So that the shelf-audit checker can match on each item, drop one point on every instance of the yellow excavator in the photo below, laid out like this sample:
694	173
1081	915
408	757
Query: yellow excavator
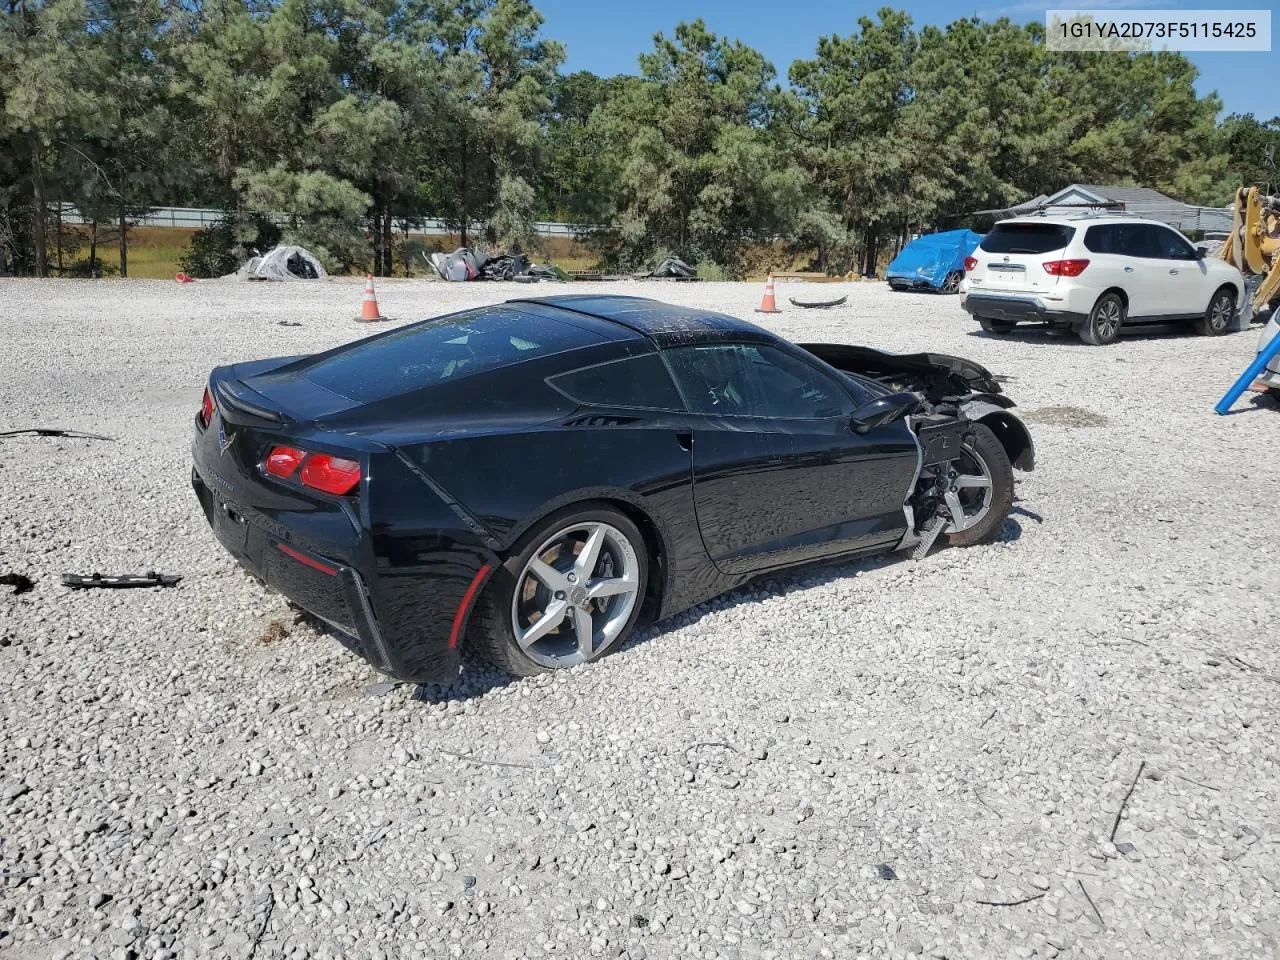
1254	246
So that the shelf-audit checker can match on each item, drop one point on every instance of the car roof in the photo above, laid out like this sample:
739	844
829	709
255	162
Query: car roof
667	325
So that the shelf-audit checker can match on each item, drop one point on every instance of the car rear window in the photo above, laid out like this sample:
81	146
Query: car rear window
447	348
640	381
1027	238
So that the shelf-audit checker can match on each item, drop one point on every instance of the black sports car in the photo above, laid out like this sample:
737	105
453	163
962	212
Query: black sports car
534	476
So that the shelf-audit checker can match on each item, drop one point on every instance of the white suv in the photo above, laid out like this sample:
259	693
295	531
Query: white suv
1094	274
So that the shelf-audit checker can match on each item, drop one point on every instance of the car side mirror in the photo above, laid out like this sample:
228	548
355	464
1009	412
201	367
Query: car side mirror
1200	253
883	410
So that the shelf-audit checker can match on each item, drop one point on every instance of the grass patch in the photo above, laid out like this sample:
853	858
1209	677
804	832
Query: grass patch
155	252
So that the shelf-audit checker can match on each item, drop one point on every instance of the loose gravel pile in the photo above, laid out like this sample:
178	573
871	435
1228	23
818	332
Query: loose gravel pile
881	759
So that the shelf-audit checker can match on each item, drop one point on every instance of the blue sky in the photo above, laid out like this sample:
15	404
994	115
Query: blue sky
606	37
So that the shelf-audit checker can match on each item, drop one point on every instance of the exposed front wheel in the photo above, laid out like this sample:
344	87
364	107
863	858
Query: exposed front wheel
975	490
1104	322
951	283
1218	316
569	594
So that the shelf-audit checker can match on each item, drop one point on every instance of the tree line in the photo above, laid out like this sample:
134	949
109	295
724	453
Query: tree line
353	118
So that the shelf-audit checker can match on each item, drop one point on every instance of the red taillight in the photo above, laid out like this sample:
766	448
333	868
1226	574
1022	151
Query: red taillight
330	474
1065	268
284	461
969	264
206	408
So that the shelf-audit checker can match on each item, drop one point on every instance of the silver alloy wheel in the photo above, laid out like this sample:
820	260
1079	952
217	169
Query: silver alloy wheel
575	594
966	491
952	282
1220	312
1108	321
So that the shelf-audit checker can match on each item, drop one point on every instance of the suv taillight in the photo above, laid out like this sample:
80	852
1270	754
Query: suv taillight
1065	268
206	408
969	264
320	471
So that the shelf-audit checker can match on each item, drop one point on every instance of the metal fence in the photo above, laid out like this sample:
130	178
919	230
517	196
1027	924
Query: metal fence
196	218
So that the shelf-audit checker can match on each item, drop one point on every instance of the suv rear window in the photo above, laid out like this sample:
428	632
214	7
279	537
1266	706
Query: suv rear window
1027	238
447	348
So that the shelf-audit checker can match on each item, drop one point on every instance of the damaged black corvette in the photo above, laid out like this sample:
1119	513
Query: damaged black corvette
532	478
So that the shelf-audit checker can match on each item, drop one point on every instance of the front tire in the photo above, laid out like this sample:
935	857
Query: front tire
951	283
1217	317
979	510
1105	320
569	593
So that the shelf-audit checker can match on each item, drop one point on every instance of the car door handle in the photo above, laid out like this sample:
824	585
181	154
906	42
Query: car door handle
685	440
1173	271
1128	269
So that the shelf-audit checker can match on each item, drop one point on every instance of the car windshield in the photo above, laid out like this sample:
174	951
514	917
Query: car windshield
1027	238
447	348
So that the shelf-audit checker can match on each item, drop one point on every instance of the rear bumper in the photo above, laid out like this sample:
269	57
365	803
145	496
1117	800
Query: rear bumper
398	620
1014	309
898	282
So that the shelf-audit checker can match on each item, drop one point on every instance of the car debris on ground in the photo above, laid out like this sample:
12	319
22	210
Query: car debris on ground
53	432
21	583
818	304
670	268
122	580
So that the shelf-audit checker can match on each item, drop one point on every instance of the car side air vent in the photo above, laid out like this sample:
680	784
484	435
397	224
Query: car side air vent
600	420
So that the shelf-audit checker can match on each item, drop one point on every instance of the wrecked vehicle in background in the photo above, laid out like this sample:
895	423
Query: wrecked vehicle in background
535	477
283	263
933	262
467	264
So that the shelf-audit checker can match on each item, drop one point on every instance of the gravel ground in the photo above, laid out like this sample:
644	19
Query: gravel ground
882	759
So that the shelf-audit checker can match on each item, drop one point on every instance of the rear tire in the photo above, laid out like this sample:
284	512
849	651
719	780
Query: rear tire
1218	315
492	631
998	327
1105	320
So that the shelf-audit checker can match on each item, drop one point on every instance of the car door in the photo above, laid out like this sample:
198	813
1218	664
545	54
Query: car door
1109	265
779	475
1144	283
1184	277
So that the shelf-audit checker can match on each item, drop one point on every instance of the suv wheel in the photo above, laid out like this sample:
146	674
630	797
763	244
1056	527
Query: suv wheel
995	326
1218	316
1105	320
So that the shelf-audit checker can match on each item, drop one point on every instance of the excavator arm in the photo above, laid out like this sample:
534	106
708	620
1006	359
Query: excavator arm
1254	243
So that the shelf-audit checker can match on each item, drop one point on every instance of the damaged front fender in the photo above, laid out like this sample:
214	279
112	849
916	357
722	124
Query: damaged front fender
1009	430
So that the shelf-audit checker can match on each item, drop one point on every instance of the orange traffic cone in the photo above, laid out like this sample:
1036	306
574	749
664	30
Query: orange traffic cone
768	304
369	312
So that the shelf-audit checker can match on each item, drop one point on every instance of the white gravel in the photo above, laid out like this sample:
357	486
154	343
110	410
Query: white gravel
845	762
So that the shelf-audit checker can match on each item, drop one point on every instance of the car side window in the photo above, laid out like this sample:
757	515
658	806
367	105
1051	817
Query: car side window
1101	238
1170	246
752	380
641	382
1130	240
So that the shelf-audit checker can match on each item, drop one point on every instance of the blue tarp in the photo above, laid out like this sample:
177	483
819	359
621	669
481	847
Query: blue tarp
928	259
